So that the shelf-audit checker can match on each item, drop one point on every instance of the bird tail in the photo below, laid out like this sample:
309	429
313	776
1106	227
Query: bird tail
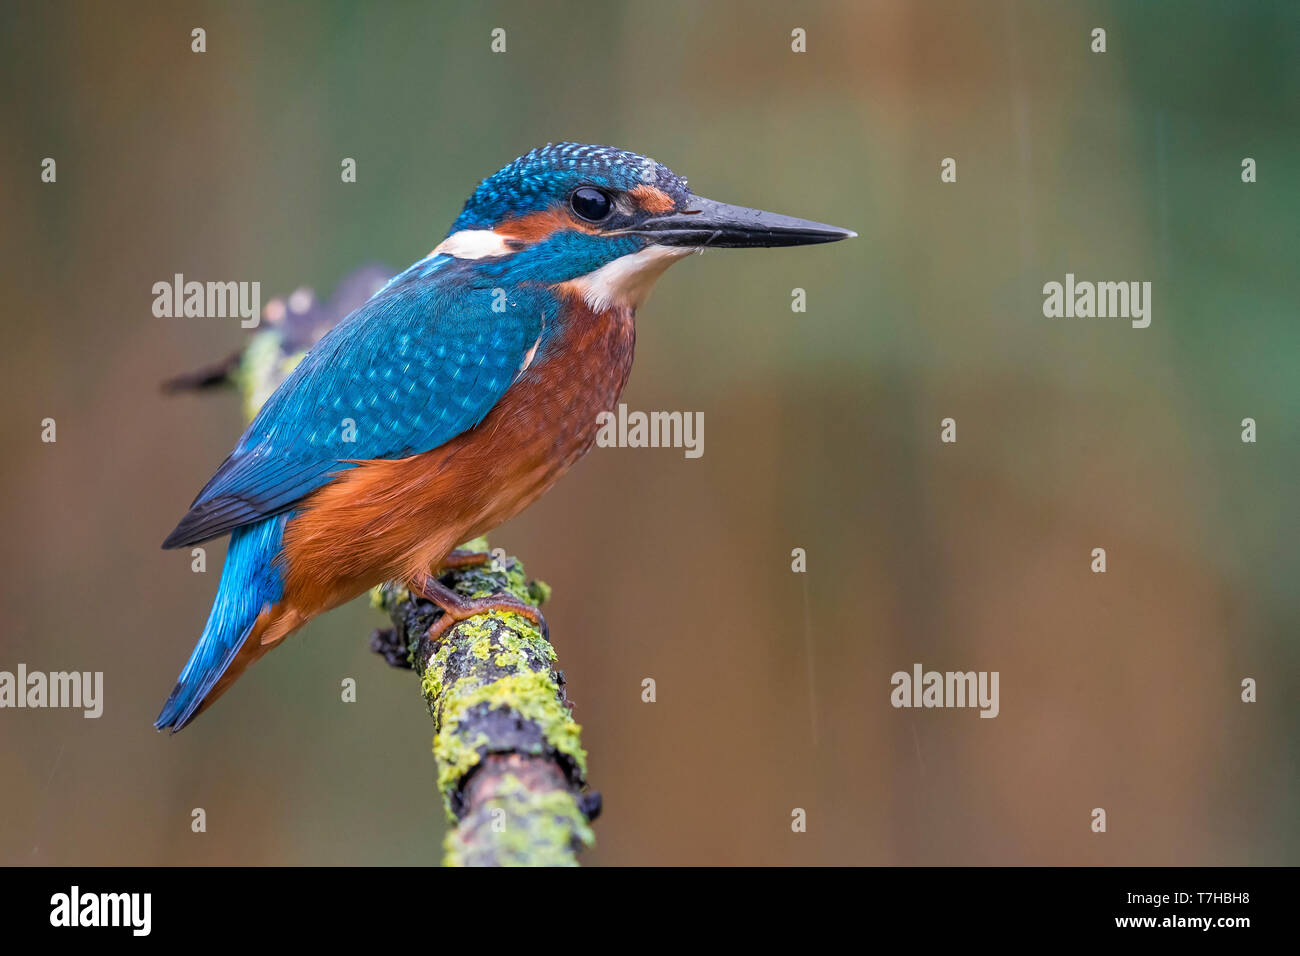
250	584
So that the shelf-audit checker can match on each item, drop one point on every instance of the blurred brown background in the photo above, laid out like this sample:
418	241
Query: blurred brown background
821	429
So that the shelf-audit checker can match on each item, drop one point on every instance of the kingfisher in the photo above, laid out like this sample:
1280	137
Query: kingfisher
449	401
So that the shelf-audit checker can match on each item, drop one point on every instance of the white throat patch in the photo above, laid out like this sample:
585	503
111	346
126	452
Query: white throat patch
628	279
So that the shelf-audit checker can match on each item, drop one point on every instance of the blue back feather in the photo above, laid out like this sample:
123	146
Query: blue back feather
418	364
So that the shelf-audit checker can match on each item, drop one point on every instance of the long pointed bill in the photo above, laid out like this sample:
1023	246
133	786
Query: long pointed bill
721	225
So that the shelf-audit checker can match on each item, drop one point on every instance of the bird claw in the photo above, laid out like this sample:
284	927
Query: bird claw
456	608
471	608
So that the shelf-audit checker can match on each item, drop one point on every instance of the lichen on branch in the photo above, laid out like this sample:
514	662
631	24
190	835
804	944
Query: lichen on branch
510	765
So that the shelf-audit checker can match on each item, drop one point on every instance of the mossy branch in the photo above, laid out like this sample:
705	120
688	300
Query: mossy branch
511	768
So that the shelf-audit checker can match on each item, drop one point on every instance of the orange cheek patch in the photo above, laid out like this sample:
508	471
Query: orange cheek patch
537	226
533	227
652	200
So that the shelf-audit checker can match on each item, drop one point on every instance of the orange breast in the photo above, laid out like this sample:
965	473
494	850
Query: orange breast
386	520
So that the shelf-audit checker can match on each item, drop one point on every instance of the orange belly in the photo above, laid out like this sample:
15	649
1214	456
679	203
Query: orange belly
398	519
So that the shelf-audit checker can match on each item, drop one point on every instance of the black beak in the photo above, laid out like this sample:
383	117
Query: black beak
720	225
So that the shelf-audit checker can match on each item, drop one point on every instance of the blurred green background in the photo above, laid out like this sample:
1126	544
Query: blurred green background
821	429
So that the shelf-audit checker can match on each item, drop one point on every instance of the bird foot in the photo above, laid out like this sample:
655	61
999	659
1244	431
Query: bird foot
456	608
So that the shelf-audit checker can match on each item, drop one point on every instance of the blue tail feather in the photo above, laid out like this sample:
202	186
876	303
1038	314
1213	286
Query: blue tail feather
250	582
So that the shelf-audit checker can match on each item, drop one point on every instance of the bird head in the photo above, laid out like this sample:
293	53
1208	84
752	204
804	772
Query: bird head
603	223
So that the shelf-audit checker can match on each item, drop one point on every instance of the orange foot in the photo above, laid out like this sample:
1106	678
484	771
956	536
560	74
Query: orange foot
457	608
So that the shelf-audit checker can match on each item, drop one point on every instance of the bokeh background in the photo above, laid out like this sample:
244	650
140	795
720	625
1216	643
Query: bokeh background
821	429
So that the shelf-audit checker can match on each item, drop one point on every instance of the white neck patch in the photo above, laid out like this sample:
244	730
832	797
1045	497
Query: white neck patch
473	244
628	279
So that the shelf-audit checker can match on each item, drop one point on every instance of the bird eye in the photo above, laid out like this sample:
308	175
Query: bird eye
590	204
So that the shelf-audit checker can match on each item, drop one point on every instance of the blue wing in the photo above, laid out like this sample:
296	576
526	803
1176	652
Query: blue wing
422	361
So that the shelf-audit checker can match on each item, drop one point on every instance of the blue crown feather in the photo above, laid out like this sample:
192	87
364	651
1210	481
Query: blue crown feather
535	180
